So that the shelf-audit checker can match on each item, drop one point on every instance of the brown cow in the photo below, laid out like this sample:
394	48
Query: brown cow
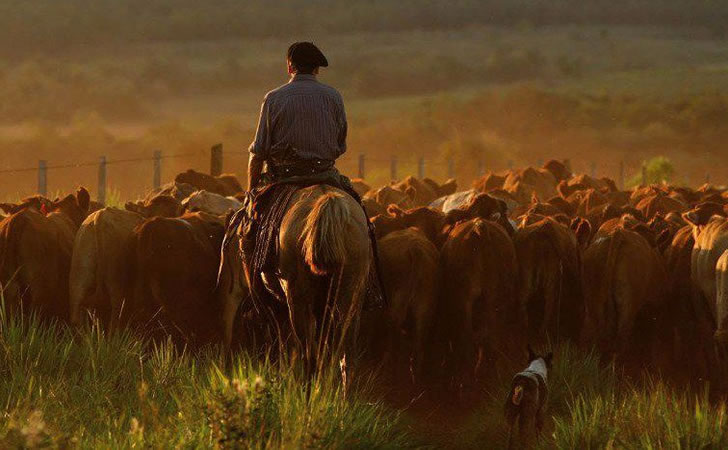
558	169
488	182
480	310
176	263
524	183
623	278
100	267
225	185
429	221
387	195
160	205
360	186
550	278
411	278
659	204
690	319
36	254
711	242
421	192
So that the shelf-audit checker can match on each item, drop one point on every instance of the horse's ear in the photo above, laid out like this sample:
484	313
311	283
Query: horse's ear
531	353
395	211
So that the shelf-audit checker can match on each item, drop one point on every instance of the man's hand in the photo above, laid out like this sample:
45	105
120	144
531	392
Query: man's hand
255	170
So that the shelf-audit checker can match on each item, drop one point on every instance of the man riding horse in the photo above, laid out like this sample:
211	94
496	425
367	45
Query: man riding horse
304	238
302	127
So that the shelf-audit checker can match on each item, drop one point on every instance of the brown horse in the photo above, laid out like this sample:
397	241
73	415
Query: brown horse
323	263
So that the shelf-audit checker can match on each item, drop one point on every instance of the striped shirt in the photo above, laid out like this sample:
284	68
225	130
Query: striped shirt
303	119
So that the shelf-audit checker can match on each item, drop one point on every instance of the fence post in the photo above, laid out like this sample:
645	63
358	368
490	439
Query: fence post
450	168
644	175
101	195
593	169
216	160
510	164
157	178
361	166
421	168
707	178
393	168
621	175
43	177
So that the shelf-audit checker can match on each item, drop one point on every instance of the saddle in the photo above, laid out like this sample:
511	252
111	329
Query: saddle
258	223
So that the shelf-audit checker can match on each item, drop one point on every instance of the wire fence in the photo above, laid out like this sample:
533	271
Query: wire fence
375	170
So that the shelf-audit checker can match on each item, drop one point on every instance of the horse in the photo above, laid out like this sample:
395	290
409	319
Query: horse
323	264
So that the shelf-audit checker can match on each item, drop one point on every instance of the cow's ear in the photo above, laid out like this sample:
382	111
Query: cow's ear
502	207
548	359
395	211
534	198
692	217
9	208
663	240
83	199
531	353
448	187
583	231
411	192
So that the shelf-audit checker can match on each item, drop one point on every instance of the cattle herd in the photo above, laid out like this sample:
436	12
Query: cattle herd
535	255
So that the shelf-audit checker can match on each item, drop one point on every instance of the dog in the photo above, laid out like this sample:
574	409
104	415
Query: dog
527	398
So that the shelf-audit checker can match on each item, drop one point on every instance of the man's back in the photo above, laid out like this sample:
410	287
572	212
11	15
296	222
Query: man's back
301	120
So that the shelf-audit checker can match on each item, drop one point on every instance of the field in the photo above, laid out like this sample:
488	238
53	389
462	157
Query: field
90	390
489	85
502	94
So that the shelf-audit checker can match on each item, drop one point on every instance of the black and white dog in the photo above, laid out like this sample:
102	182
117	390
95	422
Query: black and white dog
527	398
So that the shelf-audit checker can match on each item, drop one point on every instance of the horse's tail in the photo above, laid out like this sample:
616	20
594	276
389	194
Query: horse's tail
324	234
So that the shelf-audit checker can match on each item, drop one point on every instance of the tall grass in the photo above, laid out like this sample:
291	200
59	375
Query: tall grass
86	389
592	406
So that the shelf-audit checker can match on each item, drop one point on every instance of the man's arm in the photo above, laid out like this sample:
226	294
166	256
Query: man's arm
255	170
260	147
343	128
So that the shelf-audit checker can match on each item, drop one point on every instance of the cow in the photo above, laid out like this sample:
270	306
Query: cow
482	206
411	277
100	267
623	278
488	182
524	183
421	192
35	252
480	312
711	242
176	263
659	203
429	221
558	169
360	186
211	203
159	205
690	319
225	185
179	191
387	195
549	263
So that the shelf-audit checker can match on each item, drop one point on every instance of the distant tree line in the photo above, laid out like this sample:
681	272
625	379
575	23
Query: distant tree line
48	25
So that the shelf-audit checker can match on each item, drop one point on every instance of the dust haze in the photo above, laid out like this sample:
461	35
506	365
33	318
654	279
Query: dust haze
485	84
